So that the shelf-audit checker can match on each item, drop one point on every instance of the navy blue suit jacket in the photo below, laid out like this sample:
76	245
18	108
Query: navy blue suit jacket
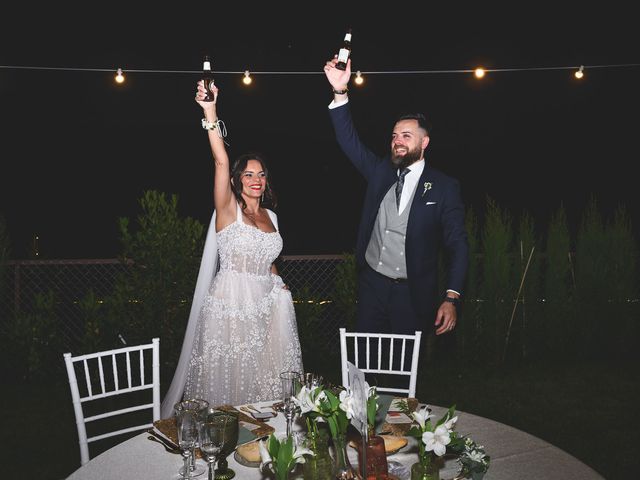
436	219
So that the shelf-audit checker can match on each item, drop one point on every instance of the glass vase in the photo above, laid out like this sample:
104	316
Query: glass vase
319	466
376	458
425	469
342	468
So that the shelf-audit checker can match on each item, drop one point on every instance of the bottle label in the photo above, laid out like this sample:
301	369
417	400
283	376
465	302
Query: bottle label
206	66
343	55
347	37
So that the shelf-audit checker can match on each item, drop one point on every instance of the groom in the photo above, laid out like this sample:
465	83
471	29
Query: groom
411	211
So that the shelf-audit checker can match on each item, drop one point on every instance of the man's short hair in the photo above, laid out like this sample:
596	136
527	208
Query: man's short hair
419	117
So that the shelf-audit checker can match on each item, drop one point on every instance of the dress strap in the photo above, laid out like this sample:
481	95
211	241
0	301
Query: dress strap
274	218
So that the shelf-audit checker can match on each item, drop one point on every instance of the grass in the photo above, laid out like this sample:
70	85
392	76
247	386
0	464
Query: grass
586	409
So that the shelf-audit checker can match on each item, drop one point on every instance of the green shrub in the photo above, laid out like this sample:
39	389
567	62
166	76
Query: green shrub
163	252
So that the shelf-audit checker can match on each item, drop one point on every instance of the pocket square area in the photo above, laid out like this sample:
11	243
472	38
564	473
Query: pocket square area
431	203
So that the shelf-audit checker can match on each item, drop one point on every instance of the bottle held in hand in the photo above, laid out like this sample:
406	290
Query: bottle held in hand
345	52
207	78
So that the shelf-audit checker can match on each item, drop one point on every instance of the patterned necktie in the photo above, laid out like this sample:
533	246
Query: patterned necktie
399	186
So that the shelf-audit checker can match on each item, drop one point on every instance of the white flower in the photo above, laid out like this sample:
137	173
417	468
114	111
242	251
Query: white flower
421	416
449	424
266	459
346	402
371	391
427	186
476	455
309	400
437	440
299	453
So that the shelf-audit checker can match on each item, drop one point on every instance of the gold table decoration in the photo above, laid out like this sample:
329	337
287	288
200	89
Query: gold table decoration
167	426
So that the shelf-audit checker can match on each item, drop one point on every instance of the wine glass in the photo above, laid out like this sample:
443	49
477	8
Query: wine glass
218	431
187	414
214	429
290	381
186	422
312	380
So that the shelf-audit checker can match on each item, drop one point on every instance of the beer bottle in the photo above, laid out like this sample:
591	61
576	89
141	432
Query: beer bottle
207	78
345	52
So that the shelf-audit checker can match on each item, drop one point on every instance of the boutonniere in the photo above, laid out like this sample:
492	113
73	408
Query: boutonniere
427	186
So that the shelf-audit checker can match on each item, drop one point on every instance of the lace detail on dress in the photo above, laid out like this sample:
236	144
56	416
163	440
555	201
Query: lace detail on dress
246	333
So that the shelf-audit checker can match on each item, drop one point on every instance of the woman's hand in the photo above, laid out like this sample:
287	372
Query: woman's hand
208	107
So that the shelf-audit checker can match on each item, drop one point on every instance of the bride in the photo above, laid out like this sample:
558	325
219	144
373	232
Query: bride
242	328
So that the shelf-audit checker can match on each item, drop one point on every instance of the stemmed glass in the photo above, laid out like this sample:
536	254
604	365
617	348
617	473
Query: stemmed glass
312	380
187	414
290	382
218	434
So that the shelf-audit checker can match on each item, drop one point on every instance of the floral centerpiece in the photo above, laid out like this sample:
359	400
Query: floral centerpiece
435	439
320	404
281	455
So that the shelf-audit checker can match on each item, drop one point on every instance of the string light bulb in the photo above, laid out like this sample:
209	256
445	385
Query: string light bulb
479	72
247	78
580	72
359	80
119	76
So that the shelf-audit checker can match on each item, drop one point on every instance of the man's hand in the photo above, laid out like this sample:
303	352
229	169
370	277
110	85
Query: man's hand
339	79
446	318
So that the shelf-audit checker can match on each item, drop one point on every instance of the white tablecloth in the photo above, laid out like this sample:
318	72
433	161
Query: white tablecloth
514	455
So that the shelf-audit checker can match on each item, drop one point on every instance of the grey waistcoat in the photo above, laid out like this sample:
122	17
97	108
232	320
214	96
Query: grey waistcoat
385	252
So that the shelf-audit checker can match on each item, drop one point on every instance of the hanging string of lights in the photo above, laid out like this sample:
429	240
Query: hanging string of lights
478	72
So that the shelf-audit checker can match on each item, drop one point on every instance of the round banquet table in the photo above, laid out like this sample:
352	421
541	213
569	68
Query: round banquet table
514	454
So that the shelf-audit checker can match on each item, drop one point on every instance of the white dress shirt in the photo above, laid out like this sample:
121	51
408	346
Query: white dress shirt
410	182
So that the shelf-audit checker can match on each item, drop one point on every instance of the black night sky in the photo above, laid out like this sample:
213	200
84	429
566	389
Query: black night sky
78	151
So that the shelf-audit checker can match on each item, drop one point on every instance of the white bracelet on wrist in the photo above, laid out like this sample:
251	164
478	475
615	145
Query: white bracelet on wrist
215	125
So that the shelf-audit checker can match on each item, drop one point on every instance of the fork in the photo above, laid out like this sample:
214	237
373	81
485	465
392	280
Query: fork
166	447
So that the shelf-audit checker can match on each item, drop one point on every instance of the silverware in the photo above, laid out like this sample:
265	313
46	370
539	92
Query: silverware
166	447
165	441
251	407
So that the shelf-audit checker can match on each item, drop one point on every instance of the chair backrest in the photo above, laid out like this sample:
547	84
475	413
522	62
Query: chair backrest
109	373
382	353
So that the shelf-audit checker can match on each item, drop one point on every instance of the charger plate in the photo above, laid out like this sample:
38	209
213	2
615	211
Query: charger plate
168	428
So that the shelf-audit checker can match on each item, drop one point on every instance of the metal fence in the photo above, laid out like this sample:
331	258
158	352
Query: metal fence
25	283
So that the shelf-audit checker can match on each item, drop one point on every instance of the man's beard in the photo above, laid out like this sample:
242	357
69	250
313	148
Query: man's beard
403	161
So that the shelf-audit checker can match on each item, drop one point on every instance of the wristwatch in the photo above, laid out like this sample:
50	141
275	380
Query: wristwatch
454	300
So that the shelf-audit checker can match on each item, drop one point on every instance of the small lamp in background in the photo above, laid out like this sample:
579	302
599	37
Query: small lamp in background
479	72
247	78
119	76
359	80
579	73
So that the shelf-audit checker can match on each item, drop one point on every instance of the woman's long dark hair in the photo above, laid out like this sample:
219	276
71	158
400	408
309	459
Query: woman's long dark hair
239	166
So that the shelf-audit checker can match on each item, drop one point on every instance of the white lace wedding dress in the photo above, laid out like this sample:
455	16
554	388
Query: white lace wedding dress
246	332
